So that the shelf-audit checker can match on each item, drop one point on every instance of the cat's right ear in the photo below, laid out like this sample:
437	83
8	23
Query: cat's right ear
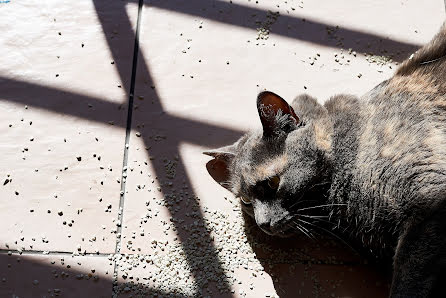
218	167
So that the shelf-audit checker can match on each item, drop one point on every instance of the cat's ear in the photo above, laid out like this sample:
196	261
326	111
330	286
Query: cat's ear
308	107
275	114
218	167
224	153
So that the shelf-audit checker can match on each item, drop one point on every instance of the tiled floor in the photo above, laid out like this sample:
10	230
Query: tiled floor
77	223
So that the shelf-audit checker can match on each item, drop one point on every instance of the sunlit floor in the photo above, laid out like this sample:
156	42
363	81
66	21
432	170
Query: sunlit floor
97	202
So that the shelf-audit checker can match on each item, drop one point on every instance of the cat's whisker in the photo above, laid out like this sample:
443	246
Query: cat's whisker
303	230
303	194
301	201
333	225
319	218
314	216
331	233
318	184
312	230
320	206
308	231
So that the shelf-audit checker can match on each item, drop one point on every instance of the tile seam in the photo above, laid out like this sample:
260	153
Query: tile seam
67	253
127	145
127	132
50	253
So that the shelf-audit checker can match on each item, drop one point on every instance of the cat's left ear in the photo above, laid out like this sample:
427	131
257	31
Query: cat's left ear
223	153
218	167
275	114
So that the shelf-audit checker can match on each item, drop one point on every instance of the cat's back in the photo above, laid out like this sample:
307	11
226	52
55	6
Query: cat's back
417	91
401	155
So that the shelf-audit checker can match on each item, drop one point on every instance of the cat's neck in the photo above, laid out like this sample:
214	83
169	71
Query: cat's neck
344	117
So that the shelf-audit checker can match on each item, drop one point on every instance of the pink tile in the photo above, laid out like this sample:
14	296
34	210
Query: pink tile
63	86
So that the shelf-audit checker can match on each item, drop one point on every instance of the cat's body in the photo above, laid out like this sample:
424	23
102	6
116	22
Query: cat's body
379	163
392	149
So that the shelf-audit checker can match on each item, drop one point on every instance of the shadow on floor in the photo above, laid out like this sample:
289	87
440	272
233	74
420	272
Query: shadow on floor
300	267
45	276
35	276
300	28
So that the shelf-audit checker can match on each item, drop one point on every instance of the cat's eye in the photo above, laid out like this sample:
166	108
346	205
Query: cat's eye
245	200
274	182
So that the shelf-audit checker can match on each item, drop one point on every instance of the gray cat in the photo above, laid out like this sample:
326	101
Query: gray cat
372	168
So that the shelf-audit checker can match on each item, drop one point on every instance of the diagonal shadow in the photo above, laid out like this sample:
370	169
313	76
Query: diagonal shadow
210	260
102	111
302	28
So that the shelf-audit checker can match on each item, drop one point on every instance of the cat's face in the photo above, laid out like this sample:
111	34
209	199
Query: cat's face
273	171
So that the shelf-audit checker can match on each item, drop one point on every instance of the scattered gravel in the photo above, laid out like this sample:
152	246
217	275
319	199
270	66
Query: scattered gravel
170	269
265	27
379	60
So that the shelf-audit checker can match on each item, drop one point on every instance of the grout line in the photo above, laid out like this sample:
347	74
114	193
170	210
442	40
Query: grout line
66	253
127	140
127	133
50	253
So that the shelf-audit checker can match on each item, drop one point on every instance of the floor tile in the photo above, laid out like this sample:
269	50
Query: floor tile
63	111
55	275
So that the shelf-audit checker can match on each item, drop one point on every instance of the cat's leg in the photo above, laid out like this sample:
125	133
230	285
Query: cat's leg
420	260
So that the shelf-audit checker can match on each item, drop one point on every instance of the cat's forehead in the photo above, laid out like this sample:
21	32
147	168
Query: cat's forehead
259	160
267	168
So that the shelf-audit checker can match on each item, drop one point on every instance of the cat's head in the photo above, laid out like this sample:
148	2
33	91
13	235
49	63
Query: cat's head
275	171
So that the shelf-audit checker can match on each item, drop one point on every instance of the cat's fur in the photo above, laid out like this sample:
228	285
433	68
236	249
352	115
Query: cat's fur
379	161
